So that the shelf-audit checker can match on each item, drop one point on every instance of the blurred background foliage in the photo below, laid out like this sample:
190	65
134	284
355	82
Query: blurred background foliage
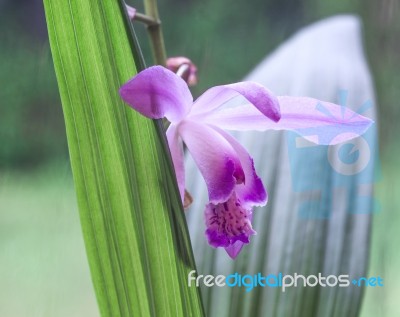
226	39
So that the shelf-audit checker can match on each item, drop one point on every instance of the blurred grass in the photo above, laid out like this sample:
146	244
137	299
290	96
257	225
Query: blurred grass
31	123
385	256
43	266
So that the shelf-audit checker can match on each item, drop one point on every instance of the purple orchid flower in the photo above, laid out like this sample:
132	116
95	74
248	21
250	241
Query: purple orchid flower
228	170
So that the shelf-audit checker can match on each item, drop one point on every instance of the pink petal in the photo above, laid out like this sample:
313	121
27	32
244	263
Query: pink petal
260	97
318	121
252	192
215	158
176	148
131	11
157	92
234	249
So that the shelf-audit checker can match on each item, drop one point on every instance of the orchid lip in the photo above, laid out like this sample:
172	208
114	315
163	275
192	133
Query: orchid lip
228	223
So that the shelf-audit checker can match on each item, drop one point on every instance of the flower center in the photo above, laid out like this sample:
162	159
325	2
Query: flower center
228	222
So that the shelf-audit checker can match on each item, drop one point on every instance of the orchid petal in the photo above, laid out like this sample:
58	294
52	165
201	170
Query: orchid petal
317	121
131	11
260	97
215	157
234	249
157	92
176	148
252	192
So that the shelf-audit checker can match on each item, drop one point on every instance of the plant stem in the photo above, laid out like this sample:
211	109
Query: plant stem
155	32
149	21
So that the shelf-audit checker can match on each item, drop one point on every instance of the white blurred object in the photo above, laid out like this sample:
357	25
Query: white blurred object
333	238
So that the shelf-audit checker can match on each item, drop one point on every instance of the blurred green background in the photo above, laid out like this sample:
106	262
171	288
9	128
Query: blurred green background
43	268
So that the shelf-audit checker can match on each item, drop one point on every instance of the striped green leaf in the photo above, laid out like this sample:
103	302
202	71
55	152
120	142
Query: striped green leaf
133	224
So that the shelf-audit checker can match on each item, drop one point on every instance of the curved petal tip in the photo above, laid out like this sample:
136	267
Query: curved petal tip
156	92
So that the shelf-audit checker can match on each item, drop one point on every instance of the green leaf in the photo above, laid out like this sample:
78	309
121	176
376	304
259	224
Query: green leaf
132	219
